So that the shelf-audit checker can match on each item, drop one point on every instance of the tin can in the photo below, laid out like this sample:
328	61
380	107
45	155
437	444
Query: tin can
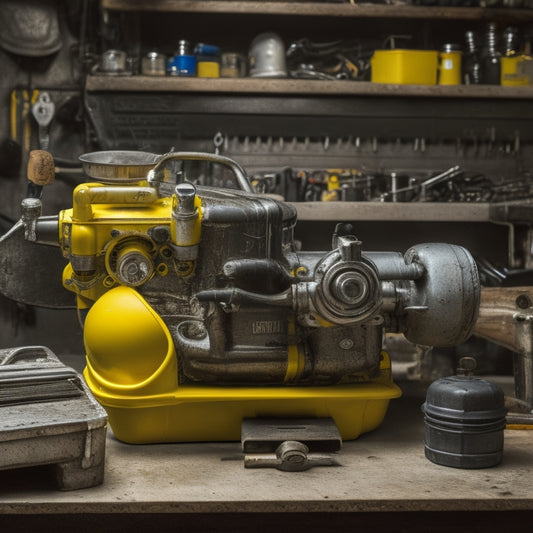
464	420
403	66
232	65
113	61
153	64
208	69
208	60
513	71
450	65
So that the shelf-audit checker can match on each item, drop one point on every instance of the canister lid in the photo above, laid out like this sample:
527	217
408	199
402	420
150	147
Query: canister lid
464	398
450	47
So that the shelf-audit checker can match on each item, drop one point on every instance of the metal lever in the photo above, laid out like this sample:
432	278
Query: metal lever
157	175
290	456
435	180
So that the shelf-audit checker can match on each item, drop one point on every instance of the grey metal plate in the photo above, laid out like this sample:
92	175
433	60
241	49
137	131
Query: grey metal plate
48	416
31	273
263	435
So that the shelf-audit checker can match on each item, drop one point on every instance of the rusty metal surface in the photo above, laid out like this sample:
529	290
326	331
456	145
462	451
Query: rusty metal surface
30	273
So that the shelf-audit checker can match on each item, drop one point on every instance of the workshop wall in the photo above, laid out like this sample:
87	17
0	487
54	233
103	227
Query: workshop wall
28	69
297	143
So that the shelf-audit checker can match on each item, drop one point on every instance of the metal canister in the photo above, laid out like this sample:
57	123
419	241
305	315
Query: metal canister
207	60
513	72
113	61
450	65
183	63
154	64
266	57
464	422
232	65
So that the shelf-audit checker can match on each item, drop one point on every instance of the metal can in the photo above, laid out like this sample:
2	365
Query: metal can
208	69
464	422
153	64
450	65
232	65
266	57
113	61
208	60
513	70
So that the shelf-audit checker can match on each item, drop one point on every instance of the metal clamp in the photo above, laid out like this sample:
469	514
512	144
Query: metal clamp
290	456
290	445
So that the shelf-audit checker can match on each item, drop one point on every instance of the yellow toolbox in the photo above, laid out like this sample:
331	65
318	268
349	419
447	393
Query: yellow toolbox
416	67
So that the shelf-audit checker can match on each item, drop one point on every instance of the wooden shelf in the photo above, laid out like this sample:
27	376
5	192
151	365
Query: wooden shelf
294	87
393	212
347	9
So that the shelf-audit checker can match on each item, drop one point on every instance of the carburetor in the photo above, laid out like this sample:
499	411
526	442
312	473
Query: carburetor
199	310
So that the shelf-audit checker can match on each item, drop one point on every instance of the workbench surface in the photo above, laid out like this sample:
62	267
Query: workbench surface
384	470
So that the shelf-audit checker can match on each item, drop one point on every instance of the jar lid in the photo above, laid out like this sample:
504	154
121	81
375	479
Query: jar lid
450	47
464	398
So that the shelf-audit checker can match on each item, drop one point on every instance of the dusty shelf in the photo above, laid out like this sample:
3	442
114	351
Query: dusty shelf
397	211
347	9
294	86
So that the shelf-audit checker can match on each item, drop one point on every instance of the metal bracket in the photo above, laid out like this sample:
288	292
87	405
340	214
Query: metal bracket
290	445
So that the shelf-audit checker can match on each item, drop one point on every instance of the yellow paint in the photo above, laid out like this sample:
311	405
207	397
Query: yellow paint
295	363
519	426
86	230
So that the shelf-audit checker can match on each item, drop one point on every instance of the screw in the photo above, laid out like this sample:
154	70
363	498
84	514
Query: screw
346	344
523	301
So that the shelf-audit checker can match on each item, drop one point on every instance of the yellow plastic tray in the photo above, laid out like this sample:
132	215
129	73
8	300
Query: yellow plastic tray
198	413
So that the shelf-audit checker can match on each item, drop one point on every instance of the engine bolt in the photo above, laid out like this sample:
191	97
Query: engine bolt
346	344
301	272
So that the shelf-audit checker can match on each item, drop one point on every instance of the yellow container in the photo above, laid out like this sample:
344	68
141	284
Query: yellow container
208	69
450	65
415	67
132	370
513	72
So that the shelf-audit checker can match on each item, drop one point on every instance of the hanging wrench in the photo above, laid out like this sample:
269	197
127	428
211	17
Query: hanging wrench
218	141
43	112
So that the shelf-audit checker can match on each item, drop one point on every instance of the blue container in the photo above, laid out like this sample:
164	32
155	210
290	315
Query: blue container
184	65
207	50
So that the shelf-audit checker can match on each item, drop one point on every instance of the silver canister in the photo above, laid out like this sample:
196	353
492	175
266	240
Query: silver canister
113	61
154	64
266	57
